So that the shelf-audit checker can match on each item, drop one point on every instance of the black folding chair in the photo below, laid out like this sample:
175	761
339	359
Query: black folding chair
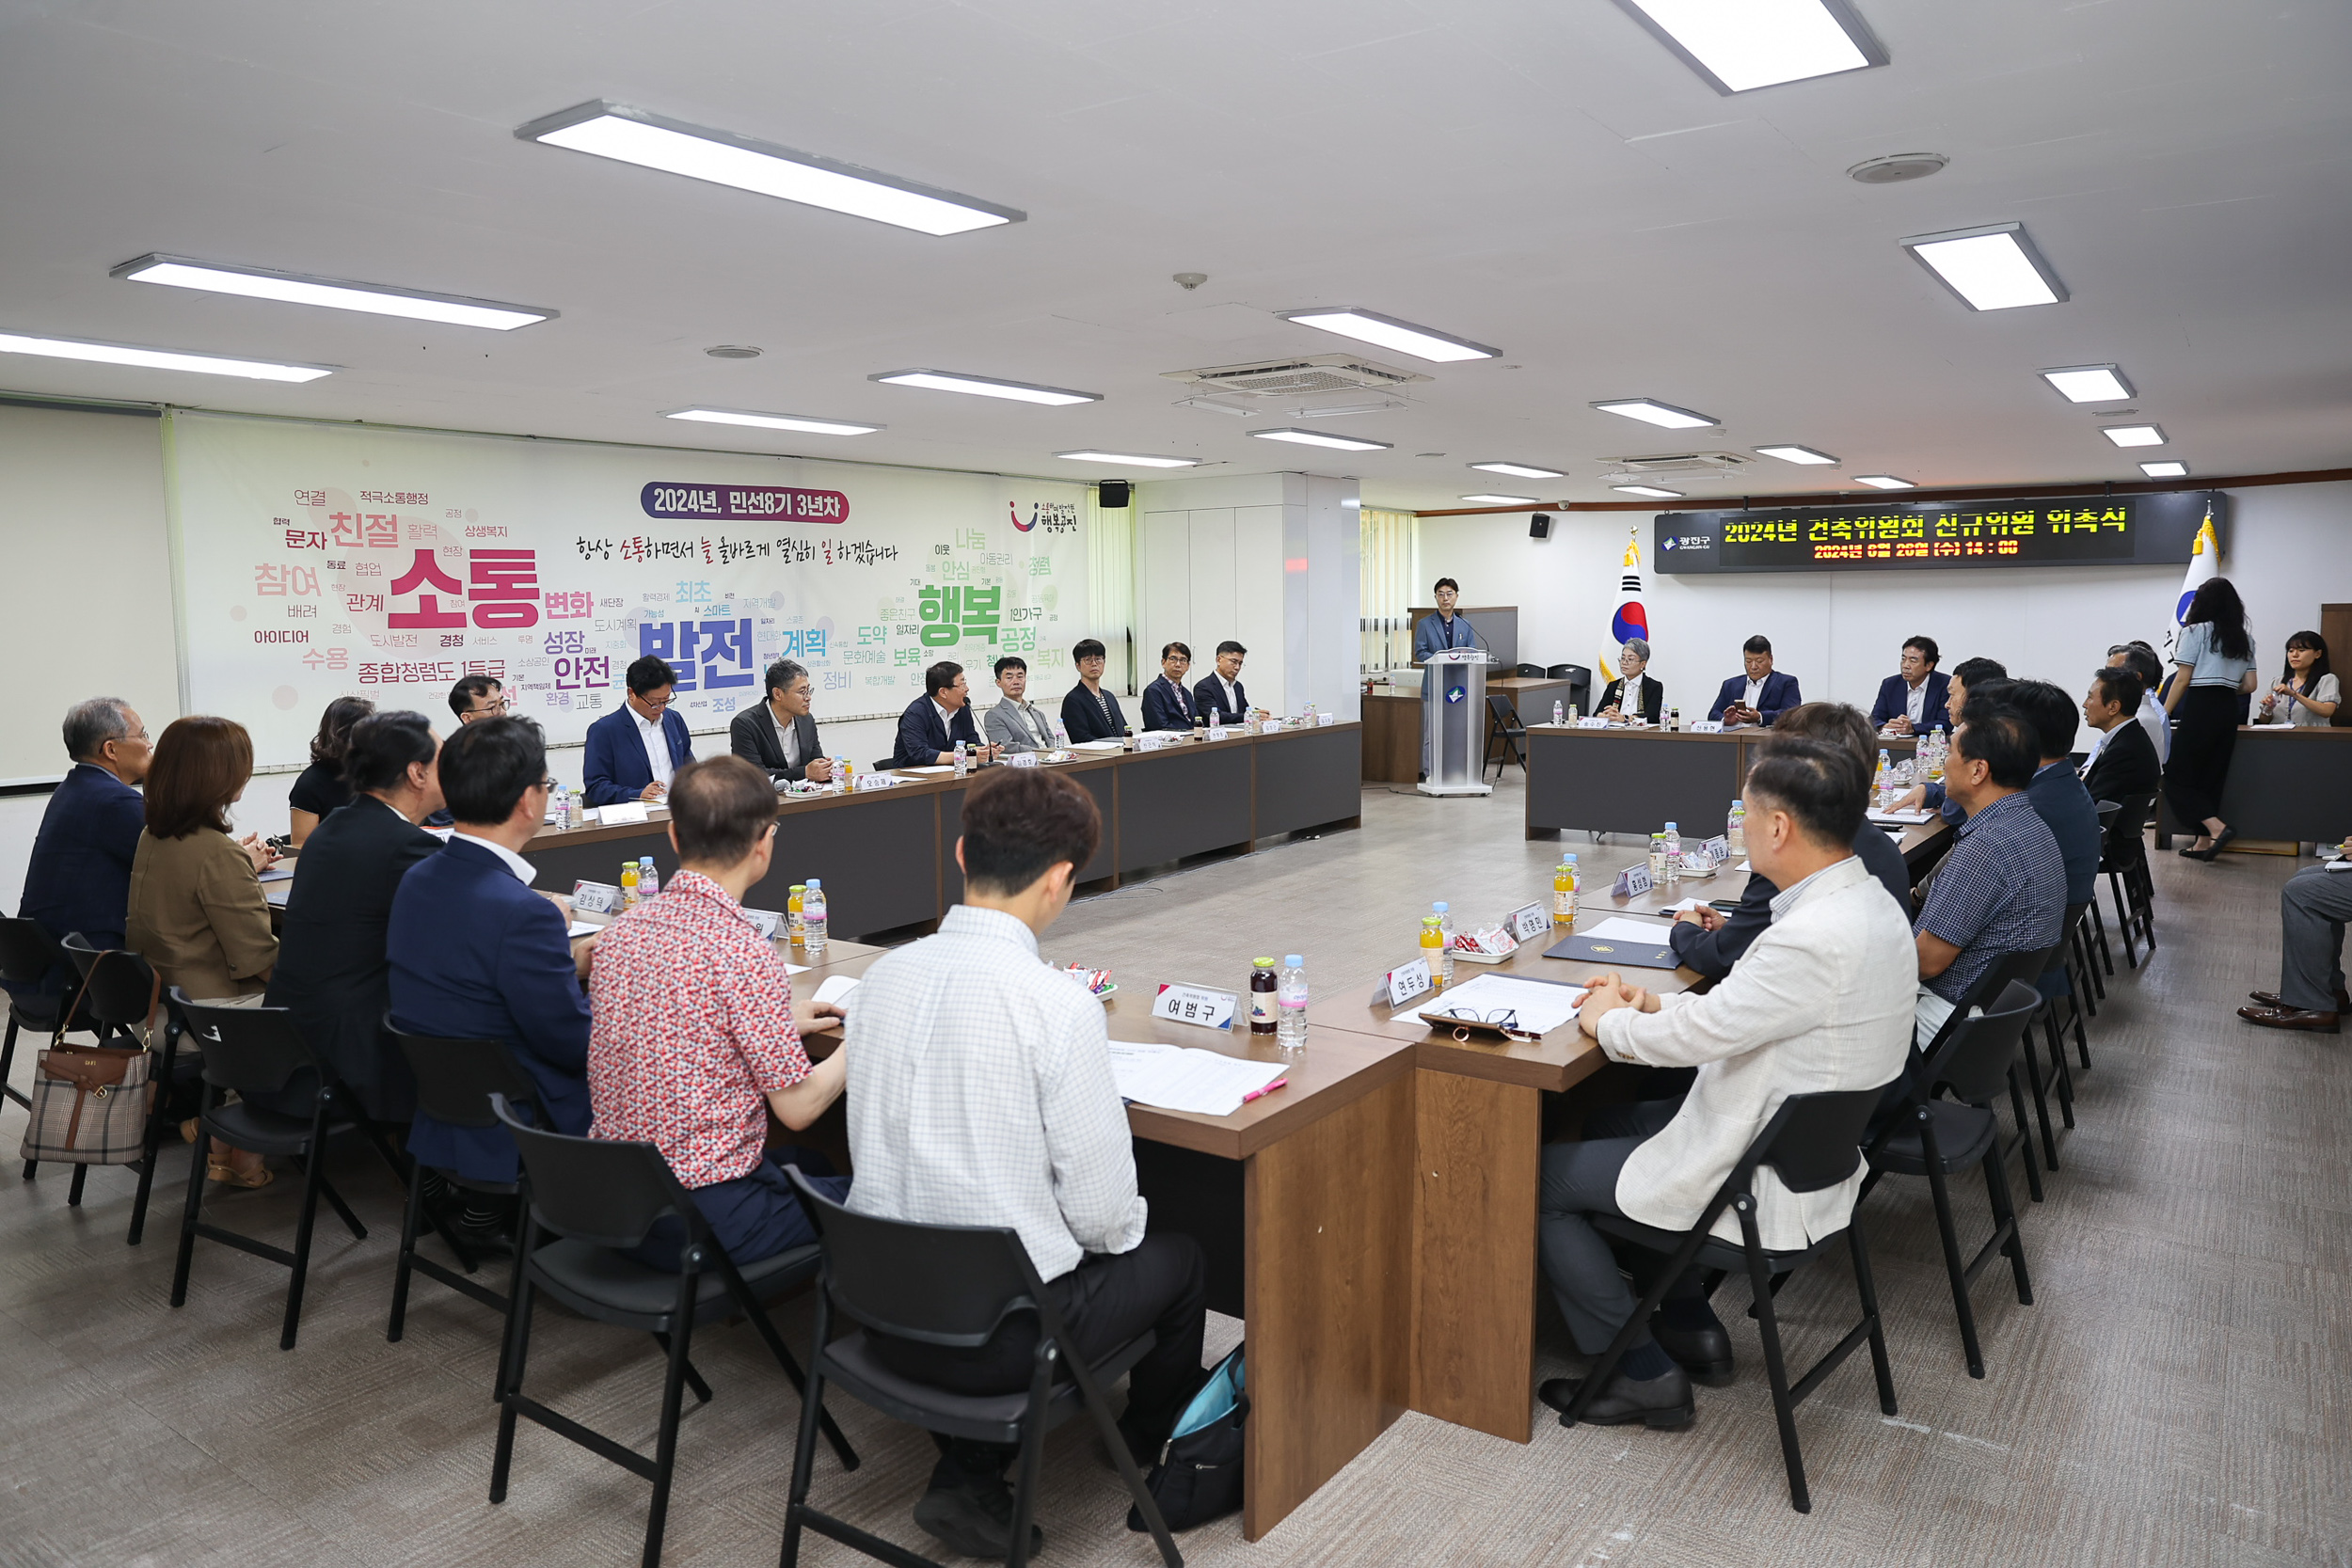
1814	1141
1579	681
1940	1138
260	1051
28	957
455	1080
1529	672
597	1197
2061	964
1506	728
2095	928
947	1285
121	997
2126	866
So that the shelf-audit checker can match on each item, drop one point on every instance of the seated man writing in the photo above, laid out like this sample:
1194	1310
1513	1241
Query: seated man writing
981	1093
1821	1000
694	1041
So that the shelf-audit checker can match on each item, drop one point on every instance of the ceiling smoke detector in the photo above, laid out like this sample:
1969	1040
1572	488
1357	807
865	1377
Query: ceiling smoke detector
1189	280
1896	167
732	351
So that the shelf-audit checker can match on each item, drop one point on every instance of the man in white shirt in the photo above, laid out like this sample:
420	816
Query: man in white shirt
1822	1000
981	1093
1219	693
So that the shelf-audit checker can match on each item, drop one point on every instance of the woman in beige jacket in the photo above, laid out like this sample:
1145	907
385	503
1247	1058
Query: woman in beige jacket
197	909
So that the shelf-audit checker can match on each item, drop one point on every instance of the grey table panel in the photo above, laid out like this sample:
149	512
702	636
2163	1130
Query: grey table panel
1625	783
561	864
879	859
1309	778
2293	785
1183	802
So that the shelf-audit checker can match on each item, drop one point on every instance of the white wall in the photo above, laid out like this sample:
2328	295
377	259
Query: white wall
2289	549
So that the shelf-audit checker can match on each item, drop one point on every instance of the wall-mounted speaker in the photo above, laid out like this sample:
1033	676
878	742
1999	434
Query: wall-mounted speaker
1539	525
1114	493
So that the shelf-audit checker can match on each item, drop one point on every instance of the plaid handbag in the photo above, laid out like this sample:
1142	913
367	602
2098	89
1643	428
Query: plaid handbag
91	1102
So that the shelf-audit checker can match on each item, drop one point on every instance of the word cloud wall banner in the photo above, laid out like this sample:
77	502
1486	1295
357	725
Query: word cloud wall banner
324	559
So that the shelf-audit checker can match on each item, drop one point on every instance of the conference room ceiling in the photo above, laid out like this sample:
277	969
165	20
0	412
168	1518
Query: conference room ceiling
1539	174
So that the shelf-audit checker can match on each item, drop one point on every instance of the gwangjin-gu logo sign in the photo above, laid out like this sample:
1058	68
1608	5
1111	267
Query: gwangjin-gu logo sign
743	503
1057	517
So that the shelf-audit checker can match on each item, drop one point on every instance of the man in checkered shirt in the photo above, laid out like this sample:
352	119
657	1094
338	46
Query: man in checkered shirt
980	1094
692	1042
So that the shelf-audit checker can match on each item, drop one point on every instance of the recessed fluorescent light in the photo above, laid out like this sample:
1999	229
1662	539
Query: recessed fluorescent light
1370	327
1520	470
987	387
376	299
1130	459
1647	490
1993	268
2165	470
1884	481
2090	383
1797	454
772	421
2133	434
652	141
1317	438
1737	45
1651	411
1501	500
158	359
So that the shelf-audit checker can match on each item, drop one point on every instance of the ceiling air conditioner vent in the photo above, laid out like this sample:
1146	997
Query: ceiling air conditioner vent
1295	377
1681	463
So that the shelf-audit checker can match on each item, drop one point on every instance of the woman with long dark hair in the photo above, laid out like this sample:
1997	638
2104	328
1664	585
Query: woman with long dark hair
2308	692
322	787
2213	670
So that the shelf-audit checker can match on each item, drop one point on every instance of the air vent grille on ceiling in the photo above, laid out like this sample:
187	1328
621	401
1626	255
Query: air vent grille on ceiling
1278	378
1681	463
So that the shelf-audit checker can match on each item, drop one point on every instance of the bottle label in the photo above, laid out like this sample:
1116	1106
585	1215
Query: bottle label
1262	1005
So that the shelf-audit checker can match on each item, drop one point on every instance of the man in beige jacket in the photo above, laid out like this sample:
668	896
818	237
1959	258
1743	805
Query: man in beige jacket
1822	1001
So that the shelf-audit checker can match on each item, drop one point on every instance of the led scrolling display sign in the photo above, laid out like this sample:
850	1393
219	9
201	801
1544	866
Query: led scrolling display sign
2080	530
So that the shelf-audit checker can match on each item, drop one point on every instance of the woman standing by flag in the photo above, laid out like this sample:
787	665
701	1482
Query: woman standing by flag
2213	670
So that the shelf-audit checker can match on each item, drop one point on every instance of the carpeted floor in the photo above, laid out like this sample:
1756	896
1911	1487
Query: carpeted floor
2180	1393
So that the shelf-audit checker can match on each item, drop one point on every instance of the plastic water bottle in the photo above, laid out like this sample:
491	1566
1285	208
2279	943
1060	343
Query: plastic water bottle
1674	854
1556	711
1445	928
628	885
963	762
812	917
1061	736
1883	781
648	880
1291	1031
1736	830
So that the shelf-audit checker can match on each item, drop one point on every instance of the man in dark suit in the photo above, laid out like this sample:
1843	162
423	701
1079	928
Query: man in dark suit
1219	696
1168	702
333	971
2122	763
633	752
933	722
79	876
475	954
780	735
1649	697
1761	695
1088	712
1913	702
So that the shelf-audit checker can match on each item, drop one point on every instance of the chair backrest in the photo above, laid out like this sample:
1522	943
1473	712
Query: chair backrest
251	1050
455	1079
1974	1057
606	1192
1504	713
2130	818
2108	811
119	988
1814	1140
27	953
938	1284
1529	670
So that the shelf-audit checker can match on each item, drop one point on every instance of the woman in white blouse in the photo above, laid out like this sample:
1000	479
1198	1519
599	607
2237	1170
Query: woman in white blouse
2307	693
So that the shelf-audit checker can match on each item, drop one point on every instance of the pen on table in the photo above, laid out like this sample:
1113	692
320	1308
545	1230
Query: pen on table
1260	1094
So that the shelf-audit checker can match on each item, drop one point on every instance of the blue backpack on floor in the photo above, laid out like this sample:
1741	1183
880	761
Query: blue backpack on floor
1198	1477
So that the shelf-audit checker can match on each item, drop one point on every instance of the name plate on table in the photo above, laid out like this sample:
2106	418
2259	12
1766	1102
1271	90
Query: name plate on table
1528	923
1705	726
873	781
1217	732
1324	721
1210	1009
1272	726
1022	759
1403	983
1592	723
595	897
1718	848
1609	950
766	922
1631	882
1151	740
622	814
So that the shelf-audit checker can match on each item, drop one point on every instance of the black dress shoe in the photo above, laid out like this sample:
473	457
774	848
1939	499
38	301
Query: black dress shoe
2292	1018
976	1520
1662	1402
1704	1352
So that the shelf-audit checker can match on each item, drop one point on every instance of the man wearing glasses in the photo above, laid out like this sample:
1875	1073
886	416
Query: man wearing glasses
477	697
634	752
79	876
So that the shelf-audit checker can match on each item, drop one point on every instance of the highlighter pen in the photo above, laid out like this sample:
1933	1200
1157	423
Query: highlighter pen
1260	1094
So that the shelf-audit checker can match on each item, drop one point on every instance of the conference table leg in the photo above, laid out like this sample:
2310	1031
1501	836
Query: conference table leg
1474	1194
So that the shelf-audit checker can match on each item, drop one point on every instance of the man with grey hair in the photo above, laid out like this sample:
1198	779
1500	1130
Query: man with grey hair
778	734
1647	698
79	876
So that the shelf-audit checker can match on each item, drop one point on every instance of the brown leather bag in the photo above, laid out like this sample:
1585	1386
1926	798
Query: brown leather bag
91	1102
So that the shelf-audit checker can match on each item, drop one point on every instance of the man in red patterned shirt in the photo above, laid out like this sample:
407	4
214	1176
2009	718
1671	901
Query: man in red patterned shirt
693	1043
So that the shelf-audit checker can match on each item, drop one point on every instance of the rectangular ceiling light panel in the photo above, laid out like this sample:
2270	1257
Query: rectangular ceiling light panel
1651	490
653	141
2165	470
1738	45
1797	454
157	358
772	421
2090	383
1651	411
1501	500
1370	327
1520	471
376	299
2133	434
1125	459
1884	481
1318	439
1993	268
986	386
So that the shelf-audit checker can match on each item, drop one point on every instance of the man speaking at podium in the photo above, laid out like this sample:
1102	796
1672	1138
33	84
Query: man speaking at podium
1433	634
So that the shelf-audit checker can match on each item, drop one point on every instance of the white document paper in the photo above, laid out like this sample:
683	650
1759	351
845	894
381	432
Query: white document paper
1618	927
1206	1082
797	969
1686	904
835	988
931	772
1097	745
1914	816
584	929
1541	1006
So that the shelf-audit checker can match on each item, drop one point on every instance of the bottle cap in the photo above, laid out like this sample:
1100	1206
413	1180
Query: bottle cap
1441	906
1571	859
1295	962
800	887
1261	964
1735	803
644	860
815	883
1672	828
